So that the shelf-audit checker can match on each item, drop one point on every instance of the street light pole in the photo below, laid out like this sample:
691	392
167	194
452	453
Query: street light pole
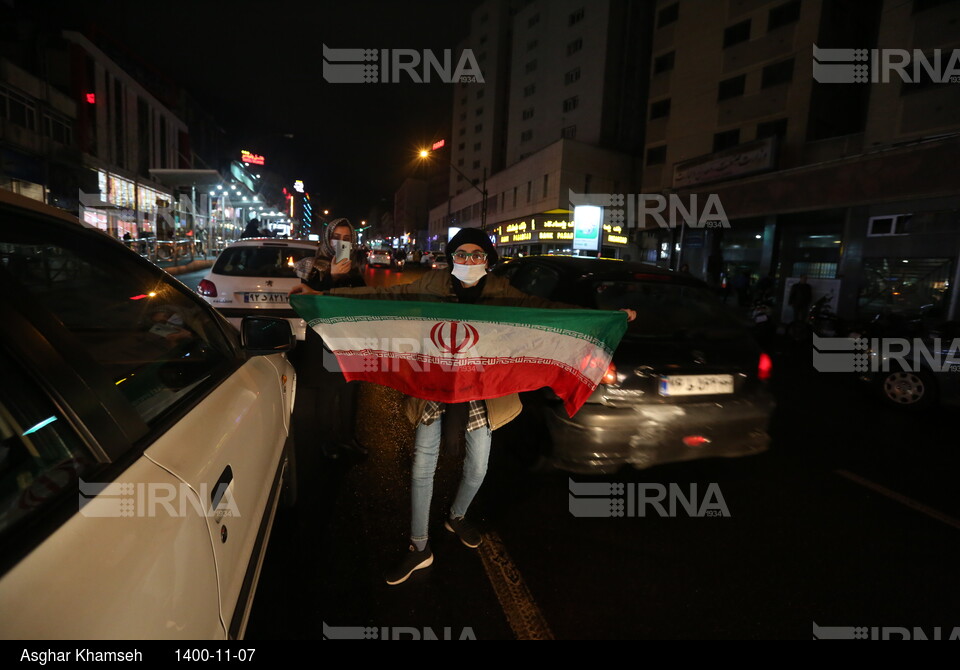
483	191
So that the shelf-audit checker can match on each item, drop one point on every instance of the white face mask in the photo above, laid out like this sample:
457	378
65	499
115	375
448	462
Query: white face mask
469	274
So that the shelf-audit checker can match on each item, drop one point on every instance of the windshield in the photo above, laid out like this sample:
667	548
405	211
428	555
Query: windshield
260	261
669	310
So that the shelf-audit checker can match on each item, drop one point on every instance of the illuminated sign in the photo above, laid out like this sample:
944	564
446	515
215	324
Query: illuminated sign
616	239
298	186
520	237
586	227
92	98
516	227
546	236
557	224
438	144
253	159
564	236
504	239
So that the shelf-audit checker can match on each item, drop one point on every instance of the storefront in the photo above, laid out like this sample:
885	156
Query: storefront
547	234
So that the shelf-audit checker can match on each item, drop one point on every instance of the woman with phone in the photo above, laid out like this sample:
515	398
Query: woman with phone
326	404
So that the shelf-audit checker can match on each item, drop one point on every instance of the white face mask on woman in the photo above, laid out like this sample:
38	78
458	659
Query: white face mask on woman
469	274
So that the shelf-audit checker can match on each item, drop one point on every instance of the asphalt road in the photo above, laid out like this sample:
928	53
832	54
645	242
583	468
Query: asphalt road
850	520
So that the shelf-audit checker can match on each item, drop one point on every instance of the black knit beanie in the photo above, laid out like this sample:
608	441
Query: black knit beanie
473	236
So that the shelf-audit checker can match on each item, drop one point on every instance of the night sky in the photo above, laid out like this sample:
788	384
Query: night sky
257	68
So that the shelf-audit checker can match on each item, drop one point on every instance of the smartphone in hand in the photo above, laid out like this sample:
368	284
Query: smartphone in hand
342	250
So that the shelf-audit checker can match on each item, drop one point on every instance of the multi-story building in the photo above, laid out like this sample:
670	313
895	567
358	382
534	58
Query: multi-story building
845	181
575	78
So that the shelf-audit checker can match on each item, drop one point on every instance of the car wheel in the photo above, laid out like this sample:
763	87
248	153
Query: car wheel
909	390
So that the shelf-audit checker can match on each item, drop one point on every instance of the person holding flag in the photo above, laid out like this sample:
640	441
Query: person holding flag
466	281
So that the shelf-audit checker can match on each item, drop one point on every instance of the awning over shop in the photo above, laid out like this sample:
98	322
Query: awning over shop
187	178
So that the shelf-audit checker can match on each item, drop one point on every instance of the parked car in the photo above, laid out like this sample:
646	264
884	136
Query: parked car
439	262
380	258
254	277
906	379
144	442
687	381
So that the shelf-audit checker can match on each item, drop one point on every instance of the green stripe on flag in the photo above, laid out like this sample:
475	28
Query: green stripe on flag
601	328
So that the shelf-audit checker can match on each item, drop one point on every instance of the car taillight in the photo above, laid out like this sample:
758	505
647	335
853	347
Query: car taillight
695	440
207	288
610	376
764	367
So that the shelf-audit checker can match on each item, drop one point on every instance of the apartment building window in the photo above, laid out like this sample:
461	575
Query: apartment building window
479	94
778	73
57	129
731	88
463	100
664	63
514	197
462	146
478	128
18	108
574	46
460	162
482	57
546	184
526	135
463	131
726	139
776	128
529	191
737	33
531	66
587	181
532	44
660	109
533	20
529	90
479	111
657	155
569	132
476	165
463	116
571	103
889	225
484	17
477	145
572	76
575	17
668	15
483	39
528	113
783	15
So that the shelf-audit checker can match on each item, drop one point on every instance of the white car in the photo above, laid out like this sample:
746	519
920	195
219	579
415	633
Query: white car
254	277
144	442
380	258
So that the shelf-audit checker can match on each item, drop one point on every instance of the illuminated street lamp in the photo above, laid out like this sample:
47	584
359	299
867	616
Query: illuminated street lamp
425	153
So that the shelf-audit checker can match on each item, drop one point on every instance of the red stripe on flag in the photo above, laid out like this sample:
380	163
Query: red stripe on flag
468	382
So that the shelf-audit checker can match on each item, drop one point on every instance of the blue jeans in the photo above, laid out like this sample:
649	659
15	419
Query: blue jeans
426	453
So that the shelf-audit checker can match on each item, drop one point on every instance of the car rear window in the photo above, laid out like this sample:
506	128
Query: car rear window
666	309
260	261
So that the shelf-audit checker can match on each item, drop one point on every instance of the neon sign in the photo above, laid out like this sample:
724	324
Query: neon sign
438	145
92	98
298	186
253	159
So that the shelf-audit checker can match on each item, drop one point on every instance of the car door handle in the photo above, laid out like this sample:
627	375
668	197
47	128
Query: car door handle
221	487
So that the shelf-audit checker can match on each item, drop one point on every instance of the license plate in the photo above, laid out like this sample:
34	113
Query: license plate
674	385
265	297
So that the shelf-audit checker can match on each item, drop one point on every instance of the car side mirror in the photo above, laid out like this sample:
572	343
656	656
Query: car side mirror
265	335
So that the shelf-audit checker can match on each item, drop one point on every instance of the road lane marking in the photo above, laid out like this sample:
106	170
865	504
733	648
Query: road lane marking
900	498
523	615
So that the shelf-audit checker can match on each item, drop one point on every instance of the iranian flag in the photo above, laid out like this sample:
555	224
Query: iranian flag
450	352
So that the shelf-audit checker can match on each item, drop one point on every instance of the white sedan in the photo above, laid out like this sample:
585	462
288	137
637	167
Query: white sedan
144	443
